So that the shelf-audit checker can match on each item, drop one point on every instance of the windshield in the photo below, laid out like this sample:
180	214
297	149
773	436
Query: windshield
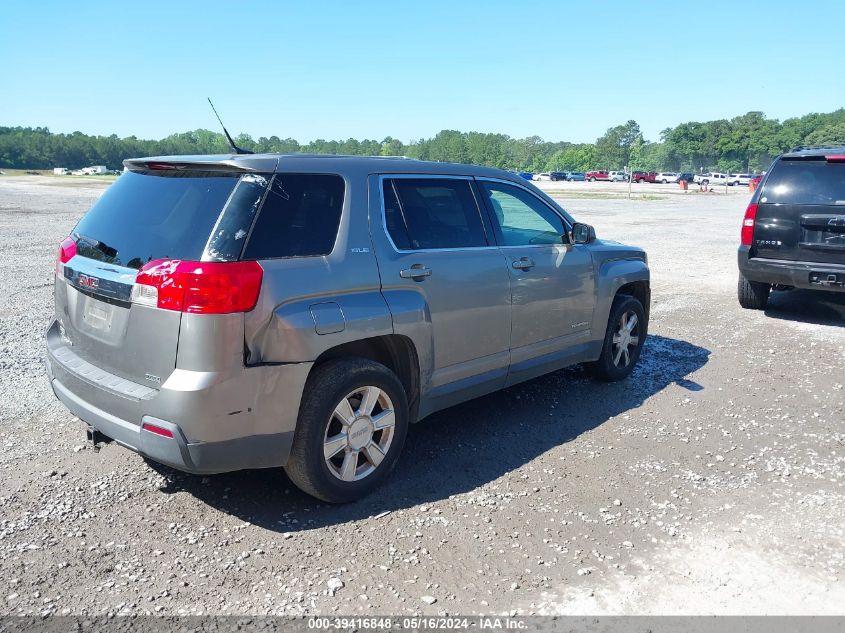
152	215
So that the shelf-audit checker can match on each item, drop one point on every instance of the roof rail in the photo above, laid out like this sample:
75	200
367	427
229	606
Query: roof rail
801	148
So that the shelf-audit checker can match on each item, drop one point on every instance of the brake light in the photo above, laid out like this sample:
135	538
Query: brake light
748	224
835	158
67	249
198	287
157	430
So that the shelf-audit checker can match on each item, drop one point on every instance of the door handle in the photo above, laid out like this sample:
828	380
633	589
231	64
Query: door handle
523	263
417	272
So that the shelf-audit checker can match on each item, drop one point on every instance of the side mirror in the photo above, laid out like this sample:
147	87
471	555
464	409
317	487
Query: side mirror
582	233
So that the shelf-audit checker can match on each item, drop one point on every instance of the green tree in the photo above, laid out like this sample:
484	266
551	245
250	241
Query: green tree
613	149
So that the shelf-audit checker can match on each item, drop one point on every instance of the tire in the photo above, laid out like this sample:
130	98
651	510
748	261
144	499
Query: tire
608	367
338	479
664	181
639	181
592	179
752	295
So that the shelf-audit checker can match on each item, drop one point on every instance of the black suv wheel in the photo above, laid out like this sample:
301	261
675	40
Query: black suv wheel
752	295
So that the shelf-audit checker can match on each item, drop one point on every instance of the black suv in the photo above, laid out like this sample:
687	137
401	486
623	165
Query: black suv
793	233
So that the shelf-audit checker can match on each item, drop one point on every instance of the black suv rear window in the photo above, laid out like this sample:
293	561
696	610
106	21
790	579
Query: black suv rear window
170	215
805	182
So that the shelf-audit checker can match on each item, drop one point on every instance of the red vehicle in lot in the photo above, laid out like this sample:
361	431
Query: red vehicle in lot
644	176
598	174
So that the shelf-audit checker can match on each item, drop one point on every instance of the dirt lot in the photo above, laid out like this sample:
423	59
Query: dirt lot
711	481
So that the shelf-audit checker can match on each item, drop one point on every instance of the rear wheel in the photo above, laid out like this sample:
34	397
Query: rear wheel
352	424
592	179
623	341
752	295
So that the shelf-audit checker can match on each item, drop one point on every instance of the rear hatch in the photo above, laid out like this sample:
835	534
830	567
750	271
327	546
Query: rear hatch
163	213
801	210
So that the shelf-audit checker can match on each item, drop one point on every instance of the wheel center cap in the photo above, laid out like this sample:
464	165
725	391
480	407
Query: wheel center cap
360	433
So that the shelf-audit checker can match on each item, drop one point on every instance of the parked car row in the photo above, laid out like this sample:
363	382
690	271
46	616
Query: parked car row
662	177
717	178
555	175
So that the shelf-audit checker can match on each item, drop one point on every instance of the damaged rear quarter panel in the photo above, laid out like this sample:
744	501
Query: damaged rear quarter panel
298	292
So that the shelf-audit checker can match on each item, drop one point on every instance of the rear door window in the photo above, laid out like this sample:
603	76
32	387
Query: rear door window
428	213
299	218
805	182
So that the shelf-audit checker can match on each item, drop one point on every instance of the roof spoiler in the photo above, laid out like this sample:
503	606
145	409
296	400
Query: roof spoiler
802	148
223	164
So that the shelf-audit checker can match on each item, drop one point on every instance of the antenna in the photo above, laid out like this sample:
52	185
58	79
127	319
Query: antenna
235	148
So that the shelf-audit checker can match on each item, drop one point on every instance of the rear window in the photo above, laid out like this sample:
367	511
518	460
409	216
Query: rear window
805	182
170	215
203	216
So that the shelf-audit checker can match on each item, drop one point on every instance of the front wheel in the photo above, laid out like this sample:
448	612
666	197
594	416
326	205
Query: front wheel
623	341
352	424
592	179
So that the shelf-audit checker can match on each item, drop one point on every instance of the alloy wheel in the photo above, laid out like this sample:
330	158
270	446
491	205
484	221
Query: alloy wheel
359	433
626	338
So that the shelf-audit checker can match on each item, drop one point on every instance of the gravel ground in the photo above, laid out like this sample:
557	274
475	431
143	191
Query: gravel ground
711	481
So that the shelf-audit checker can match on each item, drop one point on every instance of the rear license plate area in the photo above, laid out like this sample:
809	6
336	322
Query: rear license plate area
96	314
821	278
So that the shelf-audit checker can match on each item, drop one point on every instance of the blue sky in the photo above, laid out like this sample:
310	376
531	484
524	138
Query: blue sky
334	70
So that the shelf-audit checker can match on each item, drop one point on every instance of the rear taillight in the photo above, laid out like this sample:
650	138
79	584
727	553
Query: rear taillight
835	158
67	249
748	224
198	287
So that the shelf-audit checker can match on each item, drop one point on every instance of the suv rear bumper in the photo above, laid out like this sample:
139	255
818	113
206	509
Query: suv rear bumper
787	273
207	437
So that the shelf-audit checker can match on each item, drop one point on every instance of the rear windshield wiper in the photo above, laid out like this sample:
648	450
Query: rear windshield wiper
104	248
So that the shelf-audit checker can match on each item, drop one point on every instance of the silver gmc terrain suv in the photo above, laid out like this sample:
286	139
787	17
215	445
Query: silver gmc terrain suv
215	313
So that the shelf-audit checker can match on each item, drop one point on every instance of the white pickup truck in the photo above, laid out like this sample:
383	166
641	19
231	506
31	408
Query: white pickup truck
711	178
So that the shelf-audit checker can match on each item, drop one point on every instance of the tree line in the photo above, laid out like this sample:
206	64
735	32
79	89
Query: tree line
743	143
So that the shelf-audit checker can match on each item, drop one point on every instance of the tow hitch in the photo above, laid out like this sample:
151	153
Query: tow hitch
95	438
827	279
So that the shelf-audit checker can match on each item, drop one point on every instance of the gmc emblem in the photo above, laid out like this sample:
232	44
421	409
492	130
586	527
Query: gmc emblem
836	221
91	283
